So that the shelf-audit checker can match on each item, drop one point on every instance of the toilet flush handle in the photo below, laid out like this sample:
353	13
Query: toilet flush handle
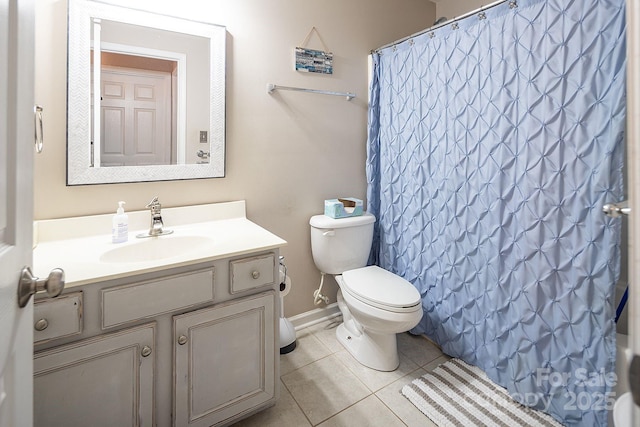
329	233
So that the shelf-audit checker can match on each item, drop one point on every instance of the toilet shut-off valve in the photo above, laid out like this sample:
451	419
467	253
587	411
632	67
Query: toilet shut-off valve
317	294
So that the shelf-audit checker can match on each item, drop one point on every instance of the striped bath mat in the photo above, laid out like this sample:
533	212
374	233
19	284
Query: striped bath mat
456	394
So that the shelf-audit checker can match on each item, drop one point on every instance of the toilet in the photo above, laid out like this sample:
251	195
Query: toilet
375	303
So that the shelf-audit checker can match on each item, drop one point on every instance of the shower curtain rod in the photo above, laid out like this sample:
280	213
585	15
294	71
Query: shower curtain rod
512	4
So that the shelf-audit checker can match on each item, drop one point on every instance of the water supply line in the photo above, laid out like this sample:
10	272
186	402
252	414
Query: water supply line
317	295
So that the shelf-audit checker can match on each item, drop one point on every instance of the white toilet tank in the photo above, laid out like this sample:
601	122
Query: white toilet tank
341	244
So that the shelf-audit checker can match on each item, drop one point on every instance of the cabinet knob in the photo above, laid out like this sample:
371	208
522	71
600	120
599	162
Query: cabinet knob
41	325
255	274
182	340
146	351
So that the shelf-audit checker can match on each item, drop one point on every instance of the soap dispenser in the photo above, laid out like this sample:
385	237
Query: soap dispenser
120	229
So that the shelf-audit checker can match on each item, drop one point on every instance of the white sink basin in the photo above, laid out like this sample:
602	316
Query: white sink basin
155	248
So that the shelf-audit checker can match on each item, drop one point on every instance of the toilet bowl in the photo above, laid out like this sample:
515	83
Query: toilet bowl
375	303
385	305
622	411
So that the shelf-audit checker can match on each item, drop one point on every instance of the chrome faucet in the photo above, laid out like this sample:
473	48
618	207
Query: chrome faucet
157	225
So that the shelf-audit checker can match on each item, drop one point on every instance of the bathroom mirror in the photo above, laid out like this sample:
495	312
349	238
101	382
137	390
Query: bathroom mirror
159	84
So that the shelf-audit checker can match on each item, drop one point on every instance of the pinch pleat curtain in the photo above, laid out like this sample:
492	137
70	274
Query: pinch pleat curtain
492	145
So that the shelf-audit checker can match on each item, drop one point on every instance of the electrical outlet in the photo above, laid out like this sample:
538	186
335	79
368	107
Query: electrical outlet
203	136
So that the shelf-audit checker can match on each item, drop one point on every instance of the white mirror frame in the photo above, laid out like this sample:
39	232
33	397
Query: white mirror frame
79	170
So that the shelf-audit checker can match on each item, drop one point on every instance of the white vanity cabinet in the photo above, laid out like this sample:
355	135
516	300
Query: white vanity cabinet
102	381
58	317
188	346
224	360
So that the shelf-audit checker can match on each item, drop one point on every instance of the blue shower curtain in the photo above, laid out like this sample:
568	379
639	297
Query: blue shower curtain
493	144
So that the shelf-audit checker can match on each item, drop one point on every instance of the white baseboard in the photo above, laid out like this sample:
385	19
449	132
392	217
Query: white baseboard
314	316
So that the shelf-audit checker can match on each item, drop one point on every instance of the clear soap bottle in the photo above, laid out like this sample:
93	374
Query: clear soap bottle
120	228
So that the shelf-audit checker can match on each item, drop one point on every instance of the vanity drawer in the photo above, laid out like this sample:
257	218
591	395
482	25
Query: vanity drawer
250	273
57	317
122	304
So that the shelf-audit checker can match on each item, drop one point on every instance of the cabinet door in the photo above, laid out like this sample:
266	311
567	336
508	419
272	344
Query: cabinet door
102	381
224	362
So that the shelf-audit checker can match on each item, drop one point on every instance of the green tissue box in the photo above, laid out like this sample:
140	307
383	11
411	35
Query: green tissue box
343	207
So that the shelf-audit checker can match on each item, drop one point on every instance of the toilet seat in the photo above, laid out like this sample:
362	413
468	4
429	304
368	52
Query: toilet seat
380	288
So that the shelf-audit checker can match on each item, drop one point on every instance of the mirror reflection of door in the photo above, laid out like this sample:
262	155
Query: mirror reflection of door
138	108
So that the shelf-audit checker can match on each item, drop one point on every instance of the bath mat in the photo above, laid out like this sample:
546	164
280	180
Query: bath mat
457	394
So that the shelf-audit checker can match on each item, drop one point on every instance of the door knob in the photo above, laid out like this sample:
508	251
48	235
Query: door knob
615	210
29	285
634	378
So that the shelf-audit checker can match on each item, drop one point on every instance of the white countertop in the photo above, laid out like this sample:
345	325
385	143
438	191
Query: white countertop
77	244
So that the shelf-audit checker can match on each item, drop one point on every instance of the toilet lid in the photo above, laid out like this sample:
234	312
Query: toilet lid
380	287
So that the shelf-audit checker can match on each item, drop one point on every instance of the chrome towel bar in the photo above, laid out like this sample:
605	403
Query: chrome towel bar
271	87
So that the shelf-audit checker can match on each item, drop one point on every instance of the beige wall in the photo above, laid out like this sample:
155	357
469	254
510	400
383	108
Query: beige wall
286	152
453	8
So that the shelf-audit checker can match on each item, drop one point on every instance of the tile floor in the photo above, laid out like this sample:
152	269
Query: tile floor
321	384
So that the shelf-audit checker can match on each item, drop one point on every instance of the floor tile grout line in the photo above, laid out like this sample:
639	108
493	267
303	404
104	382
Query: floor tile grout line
353	373
322	342
320	337
400	391
314	360
296	402
342	410
388	407
369	388
298	368
348	370
304	366
332	353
